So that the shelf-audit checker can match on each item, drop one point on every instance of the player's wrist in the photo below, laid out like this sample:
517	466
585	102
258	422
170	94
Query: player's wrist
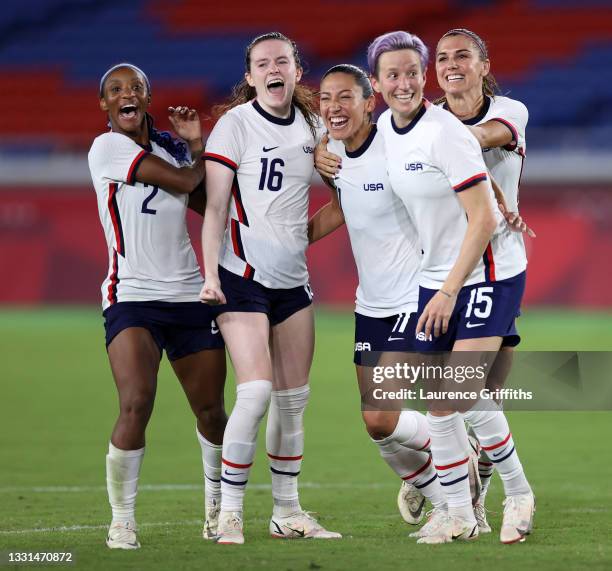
196	146
448	292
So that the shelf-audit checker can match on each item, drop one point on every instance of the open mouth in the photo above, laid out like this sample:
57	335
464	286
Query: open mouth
128	111
456	77
275	86
338	122
404	97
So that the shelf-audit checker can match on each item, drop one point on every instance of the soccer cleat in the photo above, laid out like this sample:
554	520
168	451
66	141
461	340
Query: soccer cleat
300	525
473	473
451	528
436	519
480	512
411	502
229	529
518	518
212	520
122	535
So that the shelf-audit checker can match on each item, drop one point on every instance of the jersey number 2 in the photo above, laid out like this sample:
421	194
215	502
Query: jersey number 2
145	204
273	179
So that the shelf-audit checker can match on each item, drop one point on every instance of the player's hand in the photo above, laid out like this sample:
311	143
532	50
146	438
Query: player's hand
326	163
516	222
186	124
211	292
436	315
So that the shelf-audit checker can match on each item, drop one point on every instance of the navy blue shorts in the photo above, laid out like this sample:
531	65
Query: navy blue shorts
486	309
246	295
377	334
179	328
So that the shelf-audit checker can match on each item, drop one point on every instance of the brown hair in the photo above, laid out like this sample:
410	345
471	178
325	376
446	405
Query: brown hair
490	87
303	97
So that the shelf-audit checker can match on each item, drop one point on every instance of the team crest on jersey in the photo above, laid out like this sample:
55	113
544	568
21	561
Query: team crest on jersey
373	186
413	166
308	150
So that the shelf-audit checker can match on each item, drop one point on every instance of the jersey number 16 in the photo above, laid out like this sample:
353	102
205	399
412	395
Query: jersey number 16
271	179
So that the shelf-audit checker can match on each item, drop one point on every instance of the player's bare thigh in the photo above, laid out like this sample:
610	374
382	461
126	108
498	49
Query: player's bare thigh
246	336
292	349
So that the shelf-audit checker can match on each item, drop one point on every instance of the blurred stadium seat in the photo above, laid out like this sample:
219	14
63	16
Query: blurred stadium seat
556	56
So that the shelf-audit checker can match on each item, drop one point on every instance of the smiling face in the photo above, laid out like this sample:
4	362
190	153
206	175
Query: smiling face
273	73
125	98
459	66
344	109
400	80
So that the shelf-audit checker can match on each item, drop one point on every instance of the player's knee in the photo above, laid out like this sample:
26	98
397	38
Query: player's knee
212	418
379	424
137	407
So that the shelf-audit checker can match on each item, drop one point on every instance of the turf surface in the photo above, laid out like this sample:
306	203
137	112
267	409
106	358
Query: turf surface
58	404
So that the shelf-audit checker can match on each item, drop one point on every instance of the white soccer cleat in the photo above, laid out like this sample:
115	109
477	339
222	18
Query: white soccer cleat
480	513
473	473
436	517
211	521
451	528
122	535
411	502
300	525
518	518
229	529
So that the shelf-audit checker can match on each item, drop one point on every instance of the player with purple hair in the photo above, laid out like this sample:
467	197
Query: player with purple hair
472	274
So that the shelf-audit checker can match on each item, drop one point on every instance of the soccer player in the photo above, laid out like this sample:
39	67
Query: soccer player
384	244
498	123
260	155
472	275
144	181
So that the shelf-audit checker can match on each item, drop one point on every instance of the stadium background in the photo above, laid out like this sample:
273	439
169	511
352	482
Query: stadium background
555	56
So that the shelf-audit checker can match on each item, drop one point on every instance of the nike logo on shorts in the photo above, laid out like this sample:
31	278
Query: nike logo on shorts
396	339
471	325
270	148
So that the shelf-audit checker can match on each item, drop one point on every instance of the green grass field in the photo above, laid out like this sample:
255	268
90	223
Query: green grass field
58	405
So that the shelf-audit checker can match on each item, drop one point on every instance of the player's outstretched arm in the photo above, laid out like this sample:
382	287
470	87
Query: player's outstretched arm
481	225
513	219
327	219
492	134
157	172
219	180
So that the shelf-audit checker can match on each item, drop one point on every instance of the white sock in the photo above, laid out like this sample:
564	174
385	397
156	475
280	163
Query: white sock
412	430
491	427
285	445
449	449
211	460
412	466
122	472
252	399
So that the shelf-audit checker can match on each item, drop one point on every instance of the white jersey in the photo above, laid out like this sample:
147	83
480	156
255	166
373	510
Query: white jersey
383	238
429	161
150	253
506	163
266	237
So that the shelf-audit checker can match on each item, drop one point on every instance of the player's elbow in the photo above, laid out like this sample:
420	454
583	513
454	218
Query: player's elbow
488	222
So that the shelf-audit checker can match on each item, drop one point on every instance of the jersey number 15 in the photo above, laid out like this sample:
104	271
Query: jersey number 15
271	179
